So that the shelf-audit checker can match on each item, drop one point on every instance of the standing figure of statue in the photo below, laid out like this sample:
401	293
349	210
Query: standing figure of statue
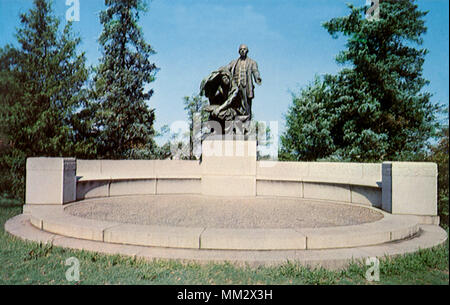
230	91
244	70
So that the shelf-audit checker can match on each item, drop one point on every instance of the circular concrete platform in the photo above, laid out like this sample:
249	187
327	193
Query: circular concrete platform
209	235
261	230
217	212
427	237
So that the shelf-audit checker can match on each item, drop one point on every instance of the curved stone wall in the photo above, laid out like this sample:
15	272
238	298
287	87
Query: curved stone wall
408	188
345	182
105	178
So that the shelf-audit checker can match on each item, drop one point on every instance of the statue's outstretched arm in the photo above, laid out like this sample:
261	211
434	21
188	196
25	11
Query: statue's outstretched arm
256	74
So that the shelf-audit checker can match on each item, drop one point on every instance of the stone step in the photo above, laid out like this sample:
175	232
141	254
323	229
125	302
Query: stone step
428	236
54	219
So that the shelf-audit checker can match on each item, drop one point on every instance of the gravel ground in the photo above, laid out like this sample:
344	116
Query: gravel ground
212	212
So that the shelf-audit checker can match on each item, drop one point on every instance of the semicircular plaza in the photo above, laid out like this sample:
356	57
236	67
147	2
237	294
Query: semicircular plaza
232	208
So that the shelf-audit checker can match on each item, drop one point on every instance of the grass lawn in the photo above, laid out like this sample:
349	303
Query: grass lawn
32	263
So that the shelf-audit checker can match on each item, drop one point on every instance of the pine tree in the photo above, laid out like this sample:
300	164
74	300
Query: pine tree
377	108
41	87
123	121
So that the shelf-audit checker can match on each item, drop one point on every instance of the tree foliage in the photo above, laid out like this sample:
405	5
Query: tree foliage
41	88
439	154
308	128
123	123
375	108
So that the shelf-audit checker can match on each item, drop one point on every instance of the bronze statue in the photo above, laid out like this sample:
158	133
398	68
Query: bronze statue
230	91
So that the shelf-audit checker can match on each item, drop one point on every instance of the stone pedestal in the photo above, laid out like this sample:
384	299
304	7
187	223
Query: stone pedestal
228	168
50	180
409	188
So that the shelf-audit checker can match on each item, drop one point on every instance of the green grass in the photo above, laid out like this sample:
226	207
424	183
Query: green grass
33	263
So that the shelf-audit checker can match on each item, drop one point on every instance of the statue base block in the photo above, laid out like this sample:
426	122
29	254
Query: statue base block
228	167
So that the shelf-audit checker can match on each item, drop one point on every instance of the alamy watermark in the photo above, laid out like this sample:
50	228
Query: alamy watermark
373	273
185	140
73	12
373	12
73	273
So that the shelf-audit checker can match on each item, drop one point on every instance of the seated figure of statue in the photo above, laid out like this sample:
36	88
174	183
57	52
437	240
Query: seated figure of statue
224	104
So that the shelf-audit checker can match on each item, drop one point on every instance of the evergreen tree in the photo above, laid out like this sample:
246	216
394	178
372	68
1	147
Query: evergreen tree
439	154
376	108
123	122
41	87
308	128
